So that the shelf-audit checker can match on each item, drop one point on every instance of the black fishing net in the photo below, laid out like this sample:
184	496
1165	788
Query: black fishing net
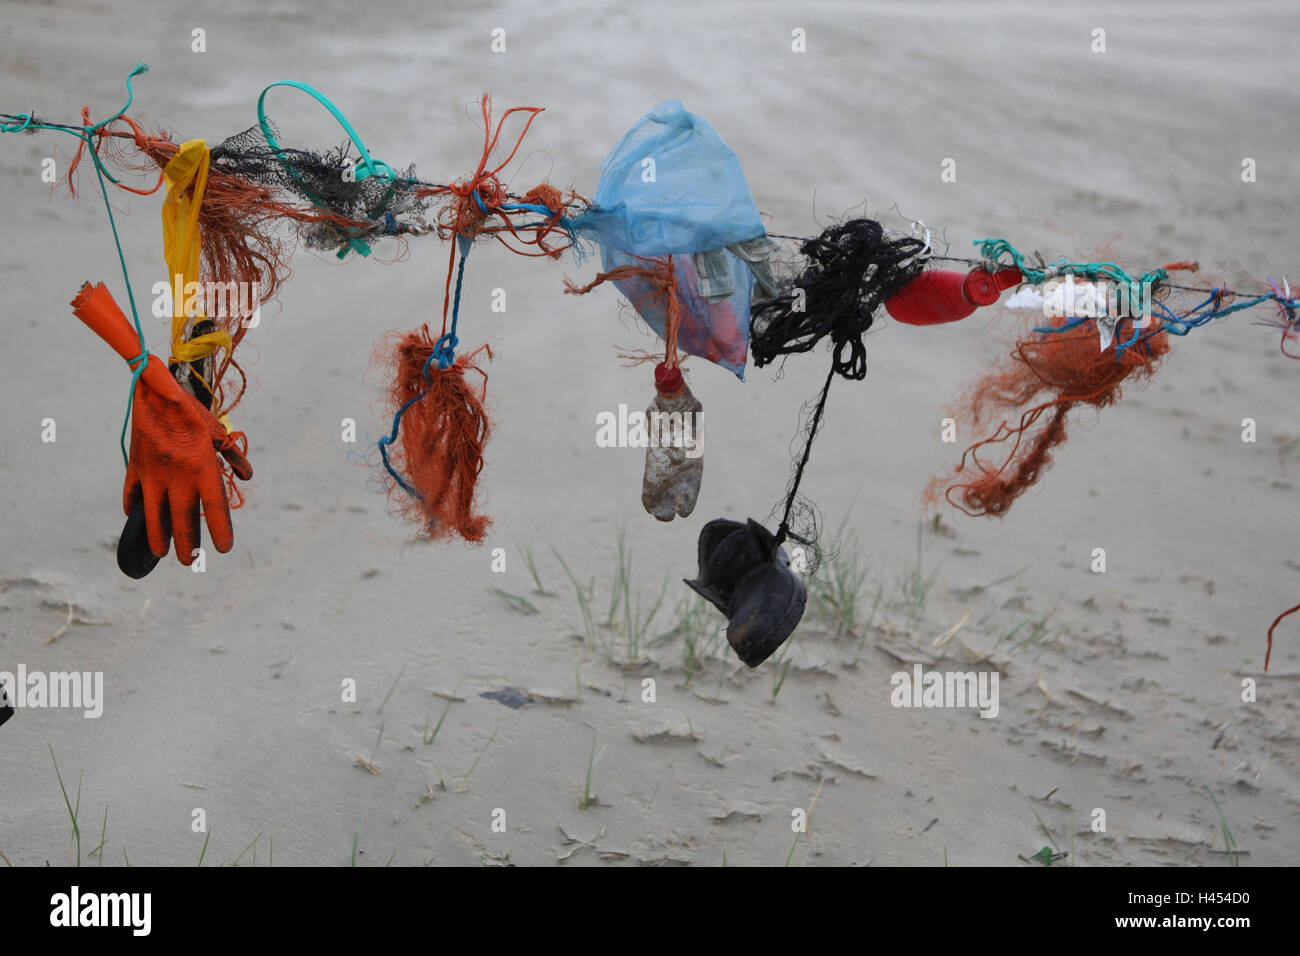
849	272
321	180
796	517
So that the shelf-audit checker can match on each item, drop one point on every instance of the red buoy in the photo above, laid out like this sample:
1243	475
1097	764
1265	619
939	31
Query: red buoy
940	295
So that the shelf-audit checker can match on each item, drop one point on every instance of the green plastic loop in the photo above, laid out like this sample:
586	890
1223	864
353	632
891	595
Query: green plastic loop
366	167
130	97
27	121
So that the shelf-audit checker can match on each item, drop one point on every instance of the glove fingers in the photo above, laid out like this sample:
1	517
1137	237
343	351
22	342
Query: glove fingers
157	519
216	508
185	522
224	442
130	489
238	463
133	555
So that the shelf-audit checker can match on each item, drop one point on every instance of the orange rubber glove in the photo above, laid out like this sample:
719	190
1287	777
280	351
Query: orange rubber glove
175	442
173	468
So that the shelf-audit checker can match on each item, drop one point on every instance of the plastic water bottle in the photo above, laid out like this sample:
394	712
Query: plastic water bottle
674	459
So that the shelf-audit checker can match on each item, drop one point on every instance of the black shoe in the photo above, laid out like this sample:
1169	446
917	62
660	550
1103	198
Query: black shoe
745	575
764	612
728	550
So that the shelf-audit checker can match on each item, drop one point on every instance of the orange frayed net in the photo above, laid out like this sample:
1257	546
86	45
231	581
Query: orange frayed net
1057	371
444	428
239	225
434	454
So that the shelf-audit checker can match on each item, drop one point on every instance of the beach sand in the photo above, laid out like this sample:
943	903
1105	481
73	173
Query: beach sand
1120	691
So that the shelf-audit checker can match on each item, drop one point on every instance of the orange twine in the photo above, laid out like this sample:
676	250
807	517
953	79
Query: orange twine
661	275
1071	370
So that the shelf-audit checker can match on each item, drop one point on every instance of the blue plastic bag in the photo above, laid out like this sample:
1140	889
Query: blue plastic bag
714	329
670	186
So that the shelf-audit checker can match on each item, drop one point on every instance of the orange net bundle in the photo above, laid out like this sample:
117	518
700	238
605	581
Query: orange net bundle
1051	373
434	454
221	264
252	192
238	227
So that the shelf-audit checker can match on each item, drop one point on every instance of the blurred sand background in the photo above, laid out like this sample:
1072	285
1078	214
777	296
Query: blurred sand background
1119	691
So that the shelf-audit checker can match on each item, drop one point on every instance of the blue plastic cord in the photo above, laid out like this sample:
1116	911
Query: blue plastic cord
563	221
1176	324
444	350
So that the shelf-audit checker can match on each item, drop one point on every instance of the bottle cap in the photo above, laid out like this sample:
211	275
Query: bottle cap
669	381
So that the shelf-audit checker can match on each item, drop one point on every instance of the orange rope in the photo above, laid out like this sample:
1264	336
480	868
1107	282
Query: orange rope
661	274
1276	622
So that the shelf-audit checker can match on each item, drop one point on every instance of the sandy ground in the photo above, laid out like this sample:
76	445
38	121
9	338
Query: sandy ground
1120	691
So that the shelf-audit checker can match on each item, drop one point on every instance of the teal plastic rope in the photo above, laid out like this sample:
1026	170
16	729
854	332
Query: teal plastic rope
86	136
365	168
992	251
29	123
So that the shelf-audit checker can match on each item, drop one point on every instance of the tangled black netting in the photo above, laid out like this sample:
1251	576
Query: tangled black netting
796	518
798	522
372	206
851	269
